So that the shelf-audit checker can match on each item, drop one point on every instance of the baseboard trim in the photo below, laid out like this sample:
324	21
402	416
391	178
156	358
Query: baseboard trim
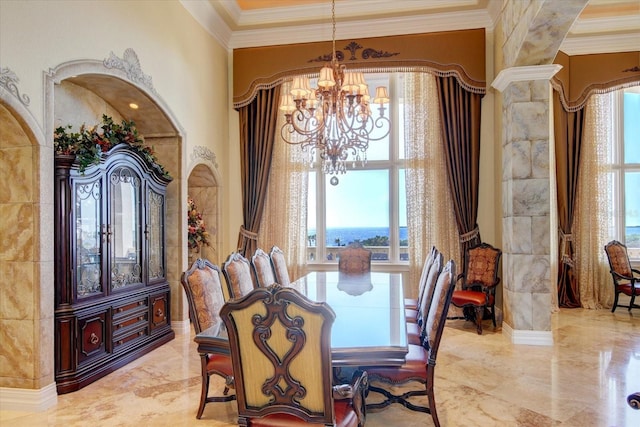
527	337
27	400
181	326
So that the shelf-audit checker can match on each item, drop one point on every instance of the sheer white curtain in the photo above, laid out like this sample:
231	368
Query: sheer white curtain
595	206
284	222
430	216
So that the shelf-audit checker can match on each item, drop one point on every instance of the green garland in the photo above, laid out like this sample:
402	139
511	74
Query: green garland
89	143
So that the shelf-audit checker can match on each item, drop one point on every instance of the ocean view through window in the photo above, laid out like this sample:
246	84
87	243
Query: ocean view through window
368	205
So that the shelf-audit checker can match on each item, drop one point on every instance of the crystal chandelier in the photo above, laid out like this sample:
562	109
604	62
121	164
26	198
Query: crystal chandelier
333	122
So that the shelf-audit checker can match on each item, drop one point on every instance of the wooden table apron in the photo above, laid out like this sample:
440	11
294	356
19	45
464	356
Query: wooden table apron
369	329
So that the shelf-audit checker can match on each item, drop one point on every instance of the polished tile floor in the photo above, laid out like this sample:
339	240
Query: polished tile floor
582	380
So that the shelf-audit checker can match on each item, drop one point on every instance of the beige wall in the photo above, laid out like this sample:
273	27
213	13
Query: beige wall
189	72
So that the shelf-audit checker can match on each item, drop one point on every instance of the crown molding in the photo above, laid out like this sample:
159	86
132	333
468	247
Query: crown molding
363	28
605	25
526	73
209	19
601	44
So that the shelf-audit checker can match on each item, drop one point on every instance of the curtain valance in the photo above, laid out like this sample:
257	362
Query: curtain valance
583	75
452	53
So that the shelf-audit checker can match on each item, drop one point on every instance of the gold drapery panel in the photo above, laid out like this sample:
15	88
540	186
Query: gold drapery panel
430	217
584	75
594	202
452	53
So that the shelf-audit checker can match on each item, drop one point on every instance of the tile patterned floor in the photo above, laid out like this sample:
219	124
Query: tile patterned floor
582	380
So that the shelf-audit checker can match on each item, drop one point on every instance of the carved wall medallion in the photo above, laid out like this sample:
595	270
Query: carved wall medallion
130	64
9	81
200	152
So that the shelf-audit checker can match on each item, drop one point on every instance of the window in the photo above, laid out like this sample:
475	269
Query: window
368	204
626	170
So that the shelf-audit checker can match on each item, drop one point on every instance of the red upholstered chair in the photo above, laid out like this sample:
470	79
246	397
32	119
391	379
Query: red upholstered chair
626	280
279	264
479	282
280	345
204	294
354	259
262	268
237	274
421	359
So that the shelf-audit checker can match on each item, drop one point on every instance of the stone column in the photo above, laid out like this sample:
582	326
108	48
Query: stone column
526	194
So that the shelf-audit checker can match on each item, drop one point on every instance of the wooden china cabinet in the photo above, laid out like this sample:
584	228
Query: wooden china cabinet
111	292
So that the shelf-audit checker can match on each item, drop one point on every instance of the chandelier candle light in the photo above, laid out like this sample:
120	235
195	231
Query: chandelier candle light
334	120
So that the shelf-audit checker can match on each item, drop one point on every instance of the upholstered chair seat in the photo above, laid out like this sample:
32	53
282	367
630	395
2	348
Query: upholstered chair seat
473	298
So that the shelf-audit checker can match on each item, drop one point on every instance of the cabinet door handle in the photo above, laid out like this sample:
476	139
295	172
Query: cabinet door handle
93	338
159	312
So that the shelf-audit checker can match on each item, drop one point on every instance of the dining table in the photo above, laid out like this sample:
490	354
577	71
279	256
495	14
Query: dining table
369	327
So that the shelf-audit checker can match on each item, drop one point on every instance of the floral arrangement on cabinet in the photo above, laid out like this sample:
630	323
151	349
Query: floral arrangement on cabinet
88	144
198	235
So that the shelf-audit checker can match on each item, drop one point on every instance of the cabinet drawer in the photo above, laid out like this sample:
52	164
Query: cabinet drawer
159	304
128	309
130	337
92	333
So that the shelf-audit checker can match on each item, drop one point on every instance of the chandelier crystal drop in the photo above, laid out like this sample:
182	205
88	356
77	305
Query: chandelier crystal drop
333	122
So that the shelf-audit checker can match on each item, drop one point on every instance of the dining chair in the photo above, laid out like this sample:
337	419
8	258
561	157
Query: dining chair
479	280
626	280
203	287
421	359
237	274
413	314
354	259
280	345
279	264
415	332
414	303
262	269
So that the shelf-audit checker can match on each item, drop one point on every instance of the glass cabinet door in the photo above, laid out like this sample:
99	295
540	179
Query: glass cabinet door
123	229
155	229
88	250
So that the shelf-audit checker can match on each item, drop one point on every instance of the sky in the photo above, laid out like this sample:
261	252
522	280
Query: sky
362	197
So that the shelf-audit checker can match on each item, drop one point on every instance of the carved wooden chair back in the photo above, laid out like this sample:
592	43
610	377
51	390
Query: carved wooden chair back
626	279
262	269
280	345
354	259
279	263
237	273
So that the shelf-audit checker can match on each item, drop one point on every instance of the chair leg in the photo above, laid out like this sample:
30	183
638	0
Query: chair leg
615	302
205	386
479	312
